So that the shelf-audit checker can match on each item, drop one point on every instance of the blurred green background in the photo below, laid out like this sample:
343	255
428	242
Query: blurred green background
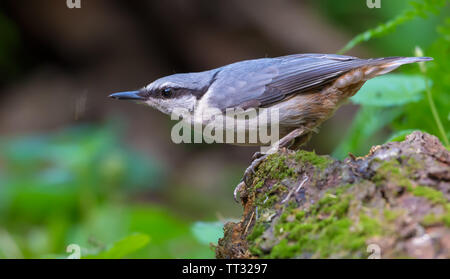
79	168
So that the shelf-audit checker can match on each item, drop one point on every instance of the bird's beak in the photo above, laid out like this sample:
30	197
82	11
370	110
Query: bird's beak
129	95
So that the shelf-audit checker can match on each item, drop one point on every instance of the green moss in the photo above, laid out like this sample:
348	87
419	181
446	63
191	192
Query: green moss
284	250
446	219
324	230
434	196
391	215
259	184
412	163
255	250
342	189
257	231
369	225
321	162
437	198
431	219
300	215
264	202
275	167
392	171
338	209
268	199
324	237
434	219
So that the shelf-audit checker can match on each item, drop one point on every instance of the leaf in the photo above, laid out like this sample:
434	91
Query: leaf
368	121
417	9
400	135
391	90
207	232
123	247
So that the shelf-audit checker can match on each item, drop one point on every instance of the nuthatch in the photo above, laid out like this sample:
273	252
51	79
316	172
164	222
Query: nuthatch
305	88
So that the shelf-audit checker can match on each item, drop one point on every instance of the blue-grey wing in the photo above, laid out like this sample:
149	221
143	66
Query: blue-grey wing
258	83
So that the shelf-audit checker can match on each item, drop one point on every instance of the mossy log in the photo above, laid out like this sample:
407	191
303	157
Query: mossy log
391	203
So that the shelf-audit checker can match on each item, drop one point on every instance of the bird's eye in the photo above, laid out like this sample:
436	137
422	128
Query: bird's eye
166	92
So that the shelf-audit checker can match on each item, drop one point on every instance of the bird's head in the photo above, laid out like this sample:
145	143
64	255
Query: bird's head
171	93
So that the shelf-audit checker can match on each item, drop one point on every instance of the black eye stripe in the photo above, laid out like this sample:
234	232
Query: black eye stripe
173	92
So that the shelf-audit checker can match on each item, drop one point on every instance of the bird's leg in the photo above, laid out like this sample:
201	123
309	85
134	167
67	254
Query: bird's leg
284	142
258	157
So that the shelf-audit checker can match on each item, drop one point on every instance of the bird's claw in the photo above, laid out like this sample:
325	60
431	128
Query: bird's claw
248	174
251	170
238	190
257	155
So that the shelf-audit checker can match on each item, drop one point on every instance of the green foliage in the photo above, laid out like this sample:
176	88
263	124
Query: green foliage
207	232
417	9
403	103
123	247
391	90
74	187
399	135
367	122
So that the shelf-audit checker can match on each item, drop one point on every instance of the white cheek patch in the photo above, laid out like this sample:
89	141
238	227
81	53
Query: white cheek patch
185	102
156	103
167	106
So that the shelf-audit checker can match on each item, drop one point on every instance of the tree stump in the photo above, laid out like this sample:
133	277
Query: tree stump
391	203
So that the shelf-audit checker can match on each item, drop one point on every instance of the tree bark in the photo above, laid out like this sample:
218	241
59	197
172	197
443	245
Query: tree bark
391	203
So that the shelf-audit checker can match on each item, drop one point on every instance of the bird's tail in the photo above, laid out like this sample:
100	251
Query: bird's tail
381	66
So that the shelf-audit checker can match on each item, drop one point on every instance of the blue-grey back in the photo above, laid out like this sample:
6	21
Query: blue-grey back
267	80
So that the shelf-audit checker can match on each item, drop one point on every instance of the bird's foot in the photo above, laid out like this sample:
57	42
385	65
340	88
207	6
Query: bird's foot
237	190
258	157
251	170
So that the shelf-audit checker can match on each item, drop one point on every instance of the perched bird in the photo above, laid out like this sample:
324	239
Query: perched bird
305	88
